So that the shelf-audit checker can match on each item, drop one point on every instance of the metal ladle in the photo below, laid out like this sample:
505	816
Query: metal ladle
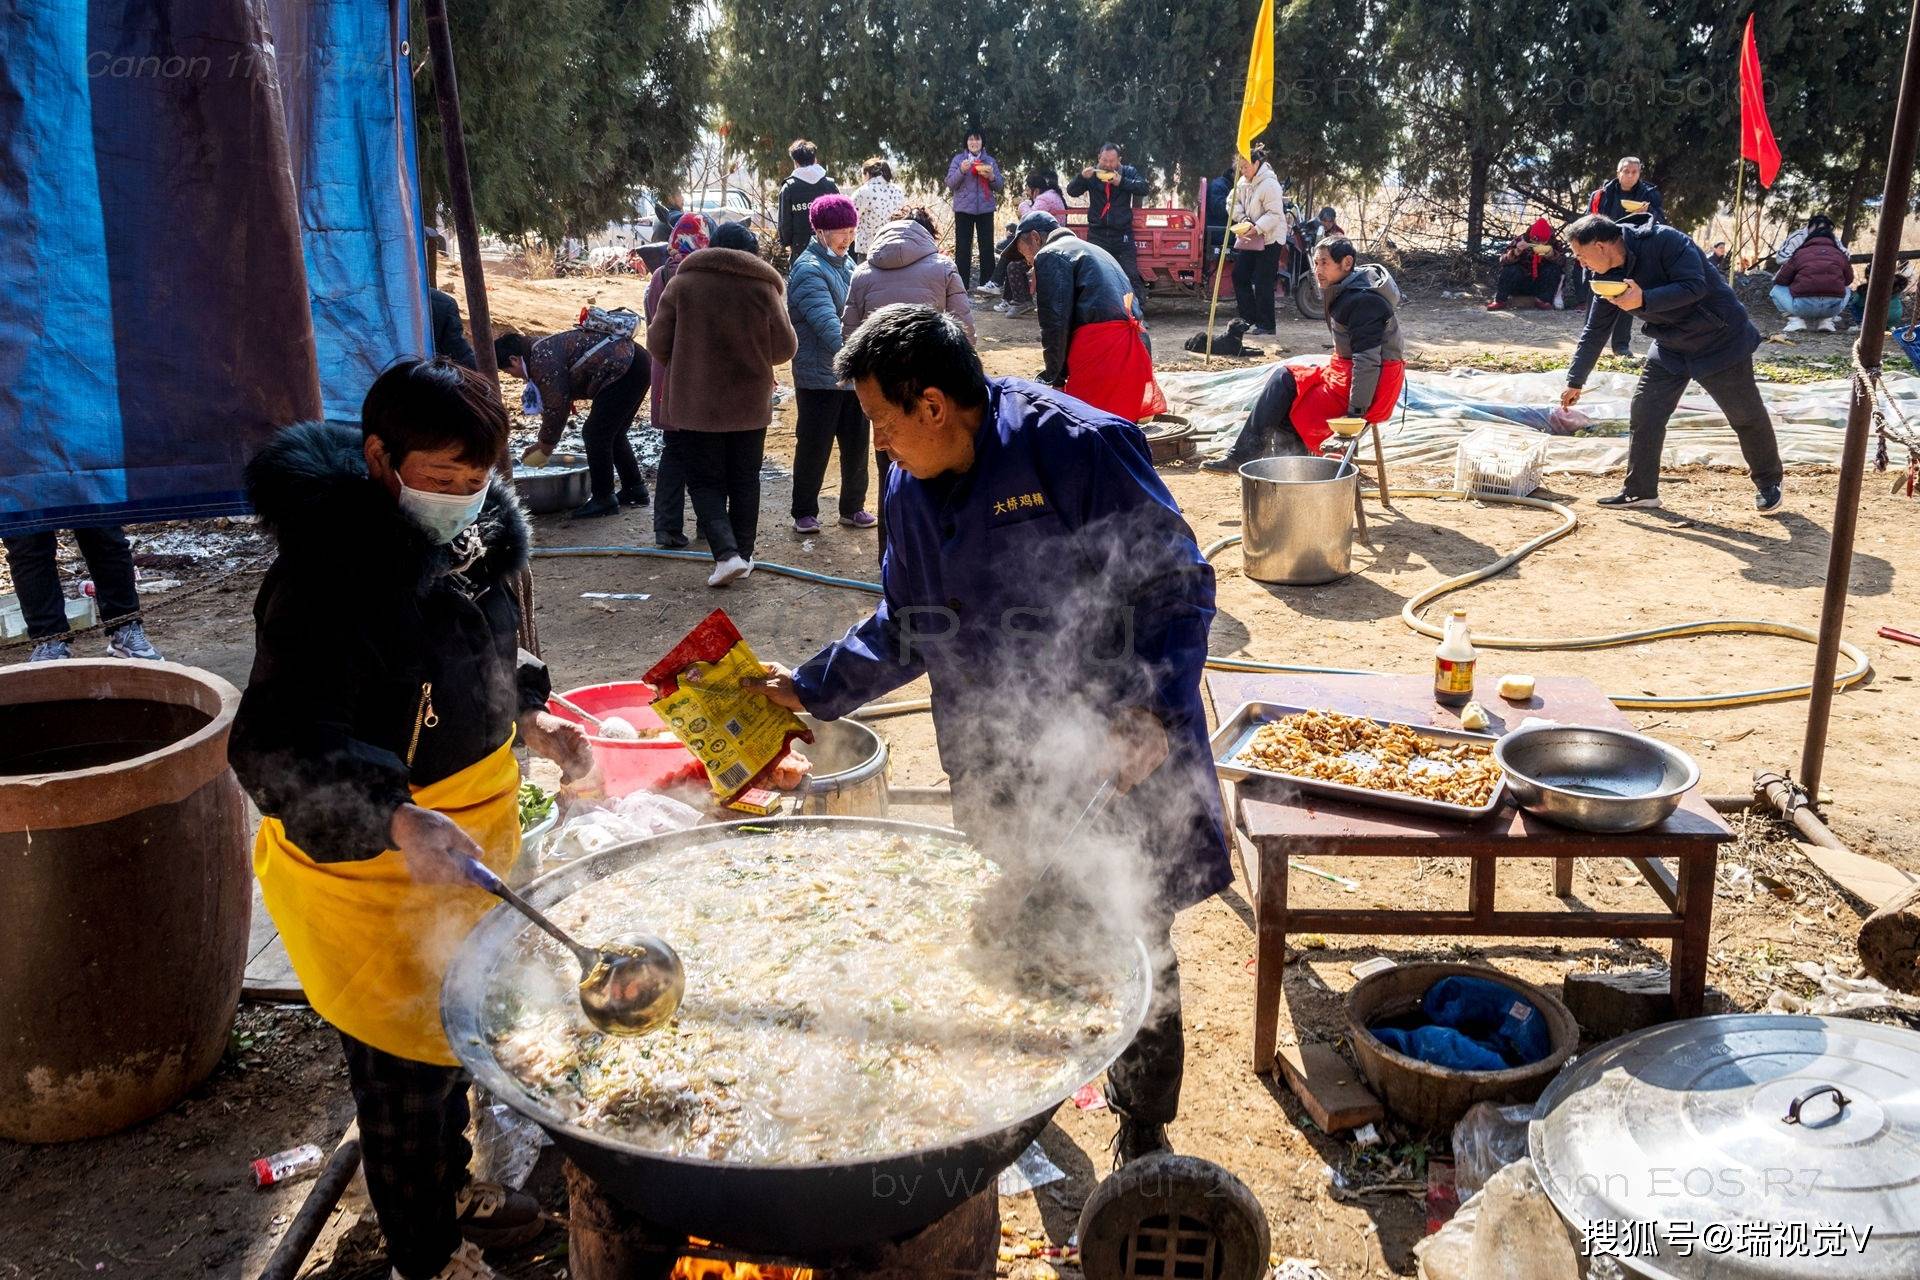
629	987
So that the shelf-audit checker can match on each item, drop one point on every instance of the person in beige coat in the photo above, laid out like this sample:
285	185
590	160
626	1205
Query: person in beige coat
1259	224
719	331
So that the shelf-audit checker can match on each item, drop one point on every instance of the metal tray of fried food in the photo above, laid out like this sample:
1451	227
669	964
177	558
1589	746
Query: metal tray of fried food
1236	733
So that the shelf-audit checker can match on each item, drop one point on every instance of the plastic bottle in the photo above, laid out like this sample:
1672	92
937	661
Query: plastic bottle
1453	664
284	1166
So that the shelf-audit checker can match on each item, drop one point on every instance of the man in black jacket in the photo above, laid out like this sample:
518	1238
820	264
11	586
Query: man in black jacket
1111	189
807	183
1628	197
1090	332
1699	330
376	736
449	333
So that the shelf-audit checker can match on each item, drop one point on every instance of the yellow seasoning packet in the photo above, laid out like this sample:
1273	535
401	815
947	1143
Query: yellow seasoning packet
737	734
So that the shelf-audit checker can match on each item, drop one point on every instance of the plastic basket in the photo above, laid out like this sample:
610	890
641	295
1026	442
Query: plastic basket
1491	461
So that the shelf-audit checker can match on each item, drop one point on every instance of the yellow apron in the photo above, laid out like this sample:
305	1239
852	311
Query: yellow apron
370	945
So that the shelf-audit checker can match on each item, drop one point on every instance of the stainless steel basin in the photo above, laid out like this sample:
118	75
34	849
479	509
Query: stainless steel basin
1593	779
561	485
849	777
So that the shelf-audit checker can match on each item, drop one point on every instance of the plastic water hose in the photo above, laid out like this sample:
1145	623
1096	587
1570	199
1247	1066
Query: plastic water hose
1411	615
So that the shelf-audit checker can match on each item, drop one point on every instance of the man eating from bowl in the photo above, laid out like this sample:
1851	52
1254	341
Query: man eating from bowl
1041	577
1700	332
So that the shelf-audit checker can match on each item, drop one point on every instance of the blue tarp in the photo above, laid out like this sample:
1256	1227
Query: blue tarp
170	187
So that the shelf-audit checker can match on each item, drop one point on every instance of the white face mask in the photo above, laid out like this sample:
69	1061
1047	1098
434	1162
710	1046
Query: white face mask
442	515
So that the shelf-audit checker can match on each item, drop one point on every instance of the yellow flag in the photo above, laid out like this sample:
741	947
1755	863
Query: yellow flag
1256	106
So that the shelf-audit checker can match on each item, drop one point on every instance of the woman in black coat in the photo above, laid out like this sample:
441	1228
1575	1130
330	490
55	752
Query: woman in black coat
376	737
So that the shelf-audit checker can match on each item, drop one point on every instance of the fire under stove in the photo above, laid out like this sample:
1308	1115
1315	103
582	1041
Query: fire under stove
607	1241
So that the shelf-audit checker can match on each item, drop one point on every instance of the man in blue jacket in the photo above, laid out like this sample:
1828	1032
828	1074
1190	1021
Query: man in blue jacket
1700	332
1041	577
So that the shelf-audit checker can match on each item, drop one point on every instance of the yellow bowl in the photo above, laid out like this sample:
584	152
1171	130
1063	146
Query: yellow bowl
1609	288
1634	206
1543	249
1348	427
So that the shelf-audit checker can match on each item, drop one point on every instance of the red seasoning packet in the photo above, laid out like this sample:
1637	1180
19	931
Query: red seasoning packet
735	732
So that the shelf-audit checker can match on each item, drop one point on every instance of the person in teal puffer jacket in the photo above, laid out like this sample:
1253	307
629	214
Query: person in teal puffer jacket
827	410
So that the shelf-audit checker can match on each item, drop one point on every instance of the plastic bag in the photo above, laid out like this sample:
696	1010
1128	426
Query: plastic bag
633	817
1487	1139
1567	422
738	735
1520	1235
1508	1230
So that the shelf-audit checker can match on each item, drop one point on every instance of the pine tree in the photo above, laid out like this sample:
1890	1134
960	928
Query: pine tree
566	113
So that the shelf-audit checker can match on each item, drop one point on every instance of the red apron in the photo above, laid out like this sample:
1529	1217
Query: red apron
1108	367
1321	392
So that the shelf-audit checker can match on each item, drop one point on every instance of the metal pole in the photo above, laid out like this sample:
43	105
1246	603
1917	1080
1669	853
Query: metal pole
1853	461
1739	190
453	140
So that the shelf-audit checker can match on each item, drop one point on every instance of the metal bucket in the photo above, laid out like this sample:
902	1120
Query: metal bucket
1298	515
561	485
849	777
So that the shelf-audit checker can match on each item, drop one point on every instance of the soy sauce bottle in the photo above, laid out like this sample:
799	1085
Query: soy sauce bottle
1453	663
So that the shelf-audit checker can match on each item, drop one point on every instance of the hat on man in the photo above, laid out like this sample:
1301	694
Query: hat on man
1039	220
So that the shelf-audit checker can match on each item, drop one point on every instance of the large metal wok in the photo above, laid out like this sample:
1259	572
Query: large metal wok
794	1210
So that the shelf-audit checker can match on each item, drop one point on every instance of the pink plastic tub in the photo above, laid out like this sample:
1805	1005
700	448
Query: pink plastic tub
631	766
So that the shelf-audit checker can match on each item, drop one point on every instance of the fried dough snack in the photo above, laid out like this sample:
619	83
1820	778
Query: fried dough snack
1329	747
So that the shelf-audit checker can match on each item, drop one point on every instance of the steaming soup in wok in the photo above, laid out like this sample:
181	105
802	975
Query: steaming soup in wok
838	1006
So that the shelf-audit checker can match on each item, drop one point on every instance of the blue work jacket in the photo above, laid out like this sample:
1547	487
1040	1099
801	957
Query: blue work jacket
1694	318
1051	585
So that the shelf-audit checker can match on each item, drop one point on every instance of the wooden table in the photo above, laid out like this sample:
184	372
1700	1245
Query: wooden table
1278	826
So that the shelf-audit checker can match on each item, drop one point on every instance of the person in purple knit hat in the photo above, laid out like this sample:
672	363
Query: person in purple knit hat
827	410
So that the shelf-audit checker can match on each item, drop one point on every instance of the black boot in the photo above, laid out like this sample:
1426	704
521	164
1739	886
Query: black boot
634	497
1135	1140
596	507
1227	465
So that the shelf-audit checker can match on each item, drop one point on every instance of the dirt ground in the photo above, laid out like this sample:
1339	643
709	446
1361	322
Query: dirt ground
171	1198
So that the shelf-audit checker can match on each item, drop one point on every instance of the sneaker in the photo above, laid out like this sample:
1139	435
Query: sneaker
1794	324
732	569
989	289
1004	308
1541	304
670	541
1024	308
465	1264
1135	1140
806	524
496	1217
633	497
1829	325
1625	353
52	650
1226	466
1623	500
1258	332
860	520
129	640
1767	500
1498	304
593	508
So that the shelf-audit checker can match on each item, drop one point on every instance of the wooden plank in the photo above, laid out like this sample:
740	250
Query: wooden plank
1270	918
1503	924
1660	880
260	930
1330	1090
1874	882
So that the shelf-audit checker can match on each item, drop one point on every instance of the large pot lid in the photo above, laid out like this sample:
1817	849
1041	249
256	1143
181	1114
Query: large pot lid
1756	1145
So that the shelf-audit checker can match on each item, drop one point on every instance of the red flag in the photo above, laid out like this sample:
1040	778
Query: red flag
1756	132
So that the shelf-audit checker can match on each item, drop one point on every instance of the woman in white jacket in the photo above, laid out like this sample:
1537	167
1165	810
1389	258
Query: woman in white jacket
1259	220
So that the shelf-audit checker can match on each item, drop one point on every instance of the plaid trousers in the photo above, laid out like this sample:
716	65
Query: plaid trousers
413	1146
